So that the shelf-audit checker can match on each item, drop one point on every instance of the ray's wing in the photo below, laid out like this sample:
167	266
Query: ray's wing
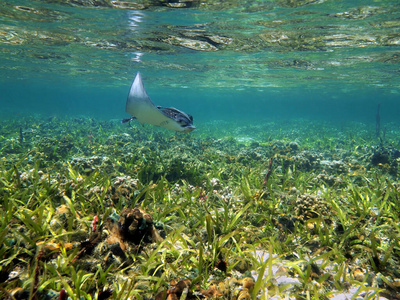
175	114
141	107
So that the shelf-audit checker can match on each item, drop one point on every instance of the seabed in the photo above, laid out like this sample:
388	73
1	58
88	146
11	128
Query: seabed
94	209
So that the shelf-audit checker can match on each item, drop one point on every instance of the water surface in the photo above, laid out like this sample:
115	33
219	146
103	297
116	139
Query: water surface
217	60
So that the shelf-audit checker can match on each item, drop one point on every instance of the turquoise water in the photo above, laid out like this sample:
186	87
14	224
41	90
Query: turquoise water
228	60
288	160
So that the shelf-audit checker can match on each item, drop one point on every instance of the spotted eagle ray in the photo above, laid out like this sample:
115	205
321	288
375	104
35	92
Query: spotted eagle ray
140	106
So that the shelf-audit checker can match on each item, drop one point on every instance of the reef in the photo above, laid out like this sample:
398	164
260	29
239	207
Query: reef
142	213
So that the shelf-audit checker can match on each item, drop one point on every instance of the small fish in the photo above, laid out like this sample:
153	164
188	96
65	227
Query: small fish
142	109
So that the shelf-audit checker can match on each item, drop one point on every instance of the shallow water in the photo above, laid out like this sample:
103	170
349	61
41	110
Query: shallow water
216	60
281	88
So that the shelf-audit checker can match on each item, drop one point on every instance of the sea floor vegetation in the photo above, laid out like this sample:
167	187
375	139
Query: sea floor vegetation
94	209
